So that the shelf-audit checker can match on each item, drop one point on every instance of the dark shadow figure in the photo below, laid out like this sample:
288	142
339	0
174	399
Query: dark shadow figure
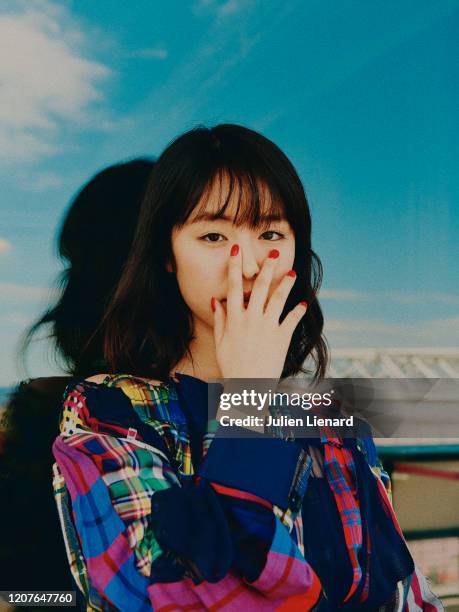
94	242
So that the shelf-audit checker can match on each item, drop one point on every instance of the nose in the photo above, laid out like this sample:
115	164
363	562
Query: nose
250	264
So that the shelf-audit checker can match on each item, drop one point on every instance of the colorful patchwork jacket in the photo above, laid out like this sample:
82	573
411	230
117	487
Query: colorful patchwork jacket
159	511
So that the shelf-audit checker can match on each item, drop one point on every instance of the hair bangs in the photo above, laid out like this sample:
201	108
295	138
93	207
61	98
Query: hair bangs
243	196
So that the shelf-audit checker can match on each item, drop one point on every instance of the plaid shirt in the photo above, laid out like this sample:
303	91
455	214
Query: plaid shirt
131	504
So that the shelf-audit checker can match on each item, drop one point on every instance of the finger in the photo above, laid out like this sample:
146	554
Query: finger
277	300
219	320
291	321
262	284
234	298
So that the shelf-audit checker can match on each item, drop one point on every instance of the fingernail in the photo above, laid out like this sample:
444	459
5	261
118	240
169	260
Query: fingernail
234	250
274	254
291	273
212	304
303	303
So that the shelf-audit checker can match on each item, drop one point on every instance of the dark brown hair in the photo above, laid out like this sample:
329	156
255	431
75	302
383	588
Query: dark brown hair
148	326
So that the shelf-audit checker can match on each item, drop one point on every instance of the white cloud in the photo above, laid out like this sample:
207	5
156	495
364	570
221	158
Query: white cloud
399	297
5	246
41	182
17	319
421	298
18	145
450	324
16	291
45	78
382	333
364	326
220	8
230	7
158	53
343	295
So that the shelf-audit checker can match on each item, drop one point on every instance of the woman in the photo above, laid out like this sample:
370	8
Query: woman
159	510
94	254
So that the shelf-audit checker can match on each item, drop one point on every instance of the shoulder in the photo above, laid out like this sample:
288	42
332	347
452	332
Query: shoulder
107	395
101	383
104	378
116	404
97	378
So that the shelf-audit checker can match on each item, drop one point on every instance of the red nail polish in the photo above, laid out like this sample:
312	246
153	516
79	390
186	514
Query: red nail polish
234	250
274	254
291	273
304	303
212	304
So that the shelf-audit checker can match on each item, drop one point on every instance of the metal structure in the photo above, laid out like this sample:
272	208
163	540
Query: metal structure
394	363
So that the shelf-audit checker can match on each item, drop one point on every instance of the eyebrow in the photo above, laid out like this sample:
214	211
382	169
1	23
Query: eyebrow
207	216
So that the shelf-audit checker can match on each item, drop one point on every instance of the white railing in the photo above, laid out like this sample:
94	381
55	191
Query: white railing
394	363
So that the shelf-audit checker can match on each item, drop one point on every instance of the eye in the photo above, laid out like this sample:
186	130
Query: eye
268	235
212	237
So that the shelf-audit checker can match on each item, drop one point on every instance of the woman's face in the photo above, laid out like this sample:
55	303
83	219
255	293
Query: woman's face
201	249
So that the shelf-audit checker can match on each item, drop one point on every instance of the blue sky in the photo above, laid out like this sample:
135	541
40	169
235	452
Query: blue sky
360	95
